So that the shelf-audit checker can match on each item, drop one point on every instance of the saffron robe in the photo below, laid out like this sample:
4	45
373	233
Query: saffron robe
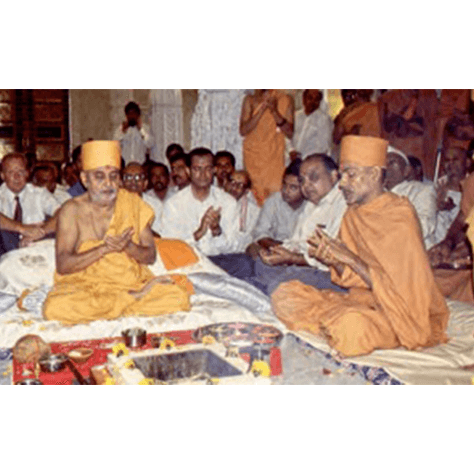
404	308
264	150
101	291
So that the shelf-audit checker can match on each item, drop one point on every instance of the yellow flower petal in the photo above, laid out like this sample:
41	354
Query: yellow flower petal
146	382
261	367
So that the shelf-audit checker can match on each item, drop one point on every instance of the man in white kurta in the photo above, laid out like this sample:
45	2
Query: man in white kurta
277	219
325	208
201	214
238	187
422	196
159	179
134	136
312	128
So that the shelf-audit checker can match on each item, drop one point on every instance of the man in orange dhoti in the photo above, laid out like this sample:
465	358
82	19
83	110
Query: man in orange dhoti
360	117
103	244
393	299
267	117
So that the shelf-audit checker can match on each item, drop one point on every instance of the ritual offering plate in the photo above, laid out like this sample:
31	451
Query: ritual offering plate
240	334
191	364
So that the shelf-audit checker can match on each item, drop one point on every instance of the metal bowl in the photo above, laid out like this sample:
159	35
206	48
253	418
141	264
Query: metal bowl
29	382
134	337
53	362
80	355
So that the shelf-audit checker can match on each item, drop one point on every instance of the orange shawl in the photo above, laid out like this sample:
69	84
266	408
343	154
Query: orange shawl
404	307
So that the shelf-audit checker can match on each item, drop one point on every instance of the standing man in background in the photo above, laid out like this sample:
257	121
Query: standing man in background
313	127
134	136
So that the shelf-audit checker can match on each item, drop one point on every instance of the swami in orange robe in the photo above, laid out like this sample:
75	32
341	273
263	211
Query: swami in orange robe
101	291
264	150
403	308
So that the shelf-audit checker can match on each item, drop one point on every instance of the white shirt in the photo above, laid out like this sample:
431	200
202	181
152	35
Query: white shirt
248	211
423	198
171	191
182	214
36	203
134	143
277	219
329	213
61	194
446	218
312	133
157	206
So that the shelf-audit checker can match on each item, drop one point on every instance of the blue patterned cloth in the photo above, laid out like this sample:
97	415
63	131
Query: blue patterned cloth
375	375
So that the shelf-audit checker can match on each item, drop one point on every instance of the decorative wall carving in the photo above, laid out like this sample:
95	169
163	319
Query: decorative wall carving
166	121
215	122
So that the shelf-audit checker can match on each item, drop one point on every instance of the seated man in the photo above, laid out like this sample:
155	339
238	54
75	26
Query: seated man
416	171
77	188
159	179
325	208
103	246
280	213
23	202
421	195
69	175
393	299
134	180
451	256
44	177
239	186
201	213
172	150
276	222
179	164
224	163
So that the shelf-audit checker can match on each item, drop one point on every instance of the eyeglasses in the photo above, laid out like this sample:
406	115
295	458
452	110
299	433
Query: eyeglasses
133	177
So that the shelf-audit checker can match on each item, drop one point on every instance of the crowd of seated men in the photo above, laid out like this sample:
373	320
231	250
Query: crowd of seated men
314	235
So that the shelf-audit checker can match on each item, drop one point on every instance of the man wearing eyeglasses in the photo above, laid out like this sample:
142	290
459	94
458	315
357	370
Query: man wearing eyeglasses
24	203
134	180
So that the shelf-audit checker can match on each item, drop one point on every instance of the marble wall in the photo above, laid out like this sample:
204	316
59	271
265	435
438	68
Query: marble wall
96	113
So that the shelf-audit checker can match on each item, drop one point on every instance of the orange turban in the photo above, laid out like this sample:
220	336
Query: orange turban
363	151
99	153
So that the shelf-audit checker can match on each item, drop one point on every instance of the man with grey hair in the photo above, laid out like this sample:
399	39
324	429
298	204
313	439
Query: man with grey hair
421	195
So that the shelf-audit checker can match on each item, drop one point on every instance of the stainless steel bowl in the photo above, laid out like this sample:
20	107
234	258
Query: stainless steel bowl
29	382
134	337
53	362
